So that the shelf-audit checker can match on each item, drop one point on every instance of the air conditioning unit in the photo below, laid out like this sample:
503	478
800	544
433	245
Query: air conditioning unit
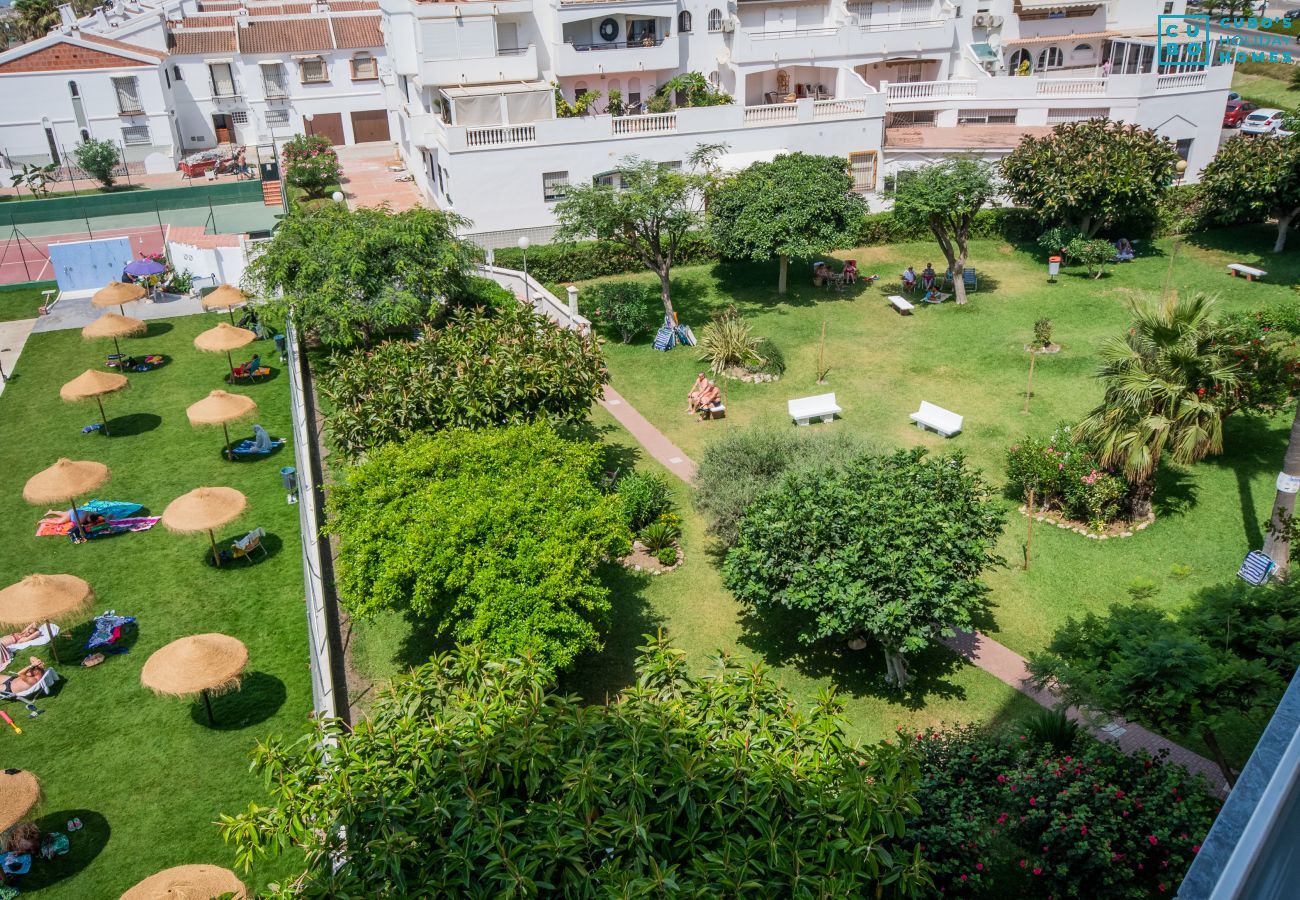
995	21
728	25
980	20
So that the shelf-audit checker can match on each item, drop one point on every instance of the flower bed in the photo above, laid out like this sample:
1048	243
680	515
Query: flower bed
1068	483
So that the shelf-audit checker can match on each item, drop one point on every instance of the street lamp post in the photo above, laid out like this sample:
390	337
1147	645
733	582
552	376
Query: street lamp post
523	245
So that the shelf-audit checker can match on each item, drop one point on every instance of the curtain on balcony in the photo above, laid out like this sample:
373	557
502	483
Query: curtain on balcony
531	107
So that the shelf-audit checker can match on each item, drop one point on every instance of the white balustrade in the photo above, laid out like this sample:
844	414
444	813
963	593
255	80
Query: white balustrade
1071	87
655	123
500	135
931	90
839	109
769	113
1180	80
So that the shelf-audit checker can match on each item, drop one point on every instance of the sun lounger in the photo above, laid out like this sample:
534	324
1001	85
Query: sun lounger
260	444
1257	568
43	686
936	418
246	546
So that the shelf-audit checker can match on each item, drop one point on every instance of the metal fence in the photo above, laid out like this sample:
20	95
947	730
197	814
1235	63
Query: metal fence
328	678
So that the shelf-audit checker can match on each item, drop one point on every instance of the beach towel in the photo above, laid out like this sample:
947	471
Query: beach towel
108	628
111	509
121	526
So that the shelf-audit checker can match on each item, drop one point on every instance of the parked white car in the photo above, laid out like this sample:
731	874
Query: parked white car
1262	121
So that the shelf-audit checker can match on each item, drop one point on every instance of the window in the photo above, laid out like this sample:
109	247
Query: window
923	118
863	167
276	117
223	82
554	185
275	82
1021	59
128	95
239	117
1051	58
176	73
986	117
1169	9
715	20
1077	114
136	134
313	71
73	89
683	22
907	73
167	78
364	67
1184	148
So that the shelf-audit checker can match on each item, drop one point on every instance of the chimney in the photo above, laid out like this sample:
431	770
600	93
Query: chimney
67	18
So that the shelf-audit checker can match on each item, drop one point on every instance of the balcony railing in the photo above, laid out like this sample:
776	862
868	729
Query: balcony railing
656	123
511	51
276	88
868	27
775	34
501	135
225	91
129	107
771	112
1180	80
839	109
931	90
620	45
1071	87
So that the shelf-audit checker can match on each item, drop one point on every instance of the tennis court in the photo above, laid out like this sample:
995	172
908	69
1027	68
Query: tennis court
23	248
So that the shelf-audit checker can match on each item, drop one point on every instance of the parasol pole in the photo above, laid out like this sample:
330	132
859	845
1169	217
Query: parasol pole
54	650
117	349
225	451
207	701
230	311
230	362
216	554
102	417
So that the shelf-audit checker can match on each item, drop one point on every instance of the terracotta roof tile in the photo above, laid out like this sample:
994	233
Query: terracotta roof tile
122	45
208	21
354	5
357	32
187	42
285	35
280	9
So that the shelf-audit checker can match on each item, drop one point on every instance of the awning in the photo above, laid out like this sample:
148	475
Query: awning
735	162
1064	38
225	60
270	62
505	87
1049	5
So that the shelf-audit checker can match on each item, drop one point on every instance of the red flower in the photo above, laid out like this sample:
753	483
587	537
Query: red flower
1196	848
1022	864
979	867
1002	779
963	876
1083	829
1037	871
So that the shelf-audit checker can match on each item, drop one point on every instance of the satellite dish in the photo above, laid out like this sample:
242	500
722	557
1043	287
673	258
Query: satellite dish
995	41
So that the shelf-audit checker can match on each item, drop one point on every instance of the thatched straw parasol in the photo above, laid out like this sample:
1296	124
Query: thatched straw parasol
226	297
91	383
204	509
64	482
188	883
19	793
220	407
223	339
44	598
111	325
200	664
118	293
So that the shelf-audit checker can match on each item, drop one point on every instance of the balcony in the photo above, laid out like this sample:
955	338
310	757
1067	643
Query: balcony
646	55
507	64
1047	90
695	124
826	42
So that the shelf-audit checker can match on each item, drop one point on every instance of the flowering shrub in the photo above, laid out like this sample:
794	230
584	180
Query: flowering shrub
1001	813
1066	477
311	164
1263	345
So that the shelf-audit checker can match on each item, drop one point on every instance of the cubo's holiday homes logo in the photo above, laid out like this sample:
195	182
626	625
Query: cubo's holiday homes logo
1183	41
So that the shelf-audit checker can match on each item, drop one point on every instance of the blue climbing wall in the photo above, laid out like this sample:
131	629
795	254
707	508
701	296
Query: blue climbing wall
89	264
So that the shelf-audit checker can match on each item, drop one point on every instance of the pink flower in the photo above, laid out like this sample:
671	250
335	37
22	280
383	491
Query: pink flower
1033	801
1083	829
979	867
1002	819
1196	848
1161	886
963	876
1002	779
1151	839
1022	864
1037	871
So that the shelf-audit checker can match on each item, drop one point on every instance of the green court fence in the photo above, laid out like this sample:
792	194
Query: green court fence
58	209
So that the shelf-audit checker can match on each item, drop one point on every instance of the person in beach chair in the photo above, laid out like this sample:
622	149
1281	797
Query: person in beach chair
27	681
250	368
259	445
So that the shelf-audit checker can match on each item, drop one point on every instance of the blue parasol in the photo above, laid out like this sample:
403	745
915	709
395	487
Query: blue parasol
145	267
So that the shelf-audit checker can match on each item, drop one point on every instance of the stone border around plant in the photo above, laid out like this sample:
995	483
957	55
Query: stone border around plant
1121	529
1050	348
642	560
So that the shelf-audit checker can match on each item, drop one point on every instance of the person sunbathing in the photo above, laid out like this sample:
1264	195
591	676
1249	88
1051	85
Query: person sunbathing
31	632
697	390
63	517
24	679
709	398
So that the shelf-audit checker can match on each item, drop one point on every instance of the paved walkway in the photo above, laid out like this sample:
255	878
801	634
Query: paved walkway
77	312
649	437
998	660
13	336
367	181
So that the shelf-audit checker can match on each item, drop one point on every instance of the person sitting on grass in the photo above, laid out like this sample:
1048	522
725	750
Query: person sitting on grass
711	396
1124	250
24	679
697	390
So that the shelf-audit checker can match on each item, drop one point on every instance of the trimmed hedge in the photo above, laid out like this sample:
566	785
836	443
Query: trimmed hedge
582	260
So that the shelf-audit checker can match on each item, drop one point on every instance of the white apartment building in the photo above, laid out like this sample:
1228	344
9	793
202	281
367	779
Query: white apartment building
465	88
169	78
888	84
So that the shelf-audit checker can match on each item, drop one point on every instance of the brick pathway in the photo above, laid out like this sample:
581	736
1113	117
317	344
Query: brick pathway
998	660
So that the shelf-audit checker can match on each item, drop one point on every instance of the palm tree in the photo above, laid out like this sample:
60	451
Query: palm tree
1168	388
35	17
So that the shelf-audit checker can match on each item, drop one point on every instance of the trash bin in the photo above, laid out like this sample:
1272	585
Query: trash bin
281	344
1053	267
289	478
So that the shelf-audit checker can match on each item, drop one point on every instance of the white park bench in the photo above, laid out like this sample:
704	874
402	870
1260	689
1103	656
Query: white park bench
901	304
1250	272
937	418
805	409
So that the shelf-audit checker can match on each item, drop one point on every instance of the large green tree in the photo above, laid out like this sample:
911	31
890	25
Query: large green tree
945	197
480	367
490	536
1176	676
35	18
1091	175
1251	180
472	778
351	275
796	205
889	547
646	206
1168	383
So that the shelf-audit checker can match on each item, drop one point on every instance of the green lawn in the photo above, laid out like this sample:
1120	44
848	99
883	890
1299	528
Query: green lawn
1267	84
80	192
971	359
147	775
22	301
